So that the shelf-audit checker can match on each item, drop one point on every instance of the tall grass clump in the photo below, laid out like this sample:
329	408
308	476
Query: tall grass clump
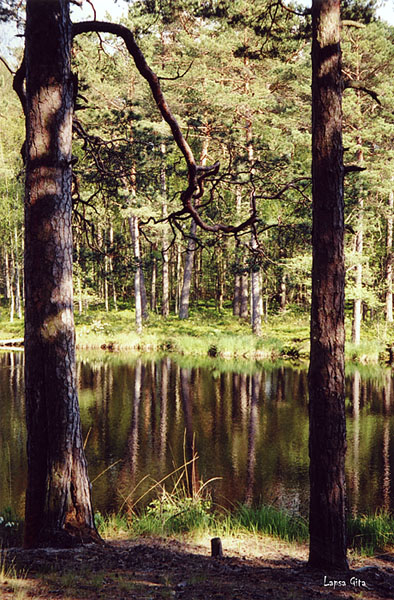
174	512
271	521
368	534
180	504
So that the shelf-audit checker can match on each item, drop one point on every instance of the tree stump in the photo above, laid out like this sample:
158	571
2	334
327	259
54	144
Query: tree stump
216	547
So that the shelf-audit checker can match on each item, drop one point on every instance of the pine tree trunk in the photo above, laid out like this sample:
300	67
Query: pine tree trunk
58	499
327	432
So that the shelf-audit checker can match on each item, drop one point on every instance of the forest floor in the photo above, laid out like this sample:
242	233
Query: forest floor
252	568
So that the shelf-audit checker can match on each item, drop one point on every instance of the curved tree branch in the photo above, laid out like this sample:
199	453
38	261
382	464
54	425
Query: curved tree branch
359	85
196	173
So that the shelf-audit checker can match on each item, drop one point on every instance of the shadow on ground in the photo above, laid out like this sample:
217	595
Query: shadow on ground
162	568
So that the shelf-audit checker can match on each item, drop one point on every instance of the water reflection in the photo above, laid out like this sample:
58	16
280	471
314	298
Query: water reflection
143	418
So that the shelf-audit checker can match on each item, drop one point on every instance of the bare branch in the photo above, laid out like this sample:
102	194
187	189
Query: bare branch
349	23
178	76
196	173
304	13
353	169
359	85
7	66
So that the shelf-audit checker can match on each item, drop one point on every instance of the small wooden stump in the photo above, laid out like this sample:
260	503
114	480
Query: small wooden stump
216	547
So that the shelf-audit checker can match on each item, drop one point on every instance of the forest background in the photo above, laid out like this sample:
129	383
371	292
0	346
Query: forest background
238	82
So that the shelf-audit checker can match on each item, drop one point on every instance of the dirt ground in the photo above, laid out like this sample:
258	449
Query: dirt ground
150	568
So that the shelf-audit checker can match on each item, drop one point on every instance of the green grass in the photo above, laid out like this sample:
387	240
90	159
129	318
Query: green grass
174	510
368	534
210	333
271	521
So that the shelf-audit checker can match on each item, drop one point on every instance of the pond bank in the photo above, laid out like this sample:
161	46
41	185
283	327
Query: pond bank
208	333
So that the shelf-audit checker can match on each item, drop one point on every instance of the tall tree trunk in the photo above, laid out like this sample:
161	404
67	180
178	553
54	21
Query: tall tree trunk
58	499
327	432
187	272
357	302
389	260
190	250
237	276
153	296
7	274
283	295
256	305
111	268
135	236
165	301
359	241
12	280
243	309
178	278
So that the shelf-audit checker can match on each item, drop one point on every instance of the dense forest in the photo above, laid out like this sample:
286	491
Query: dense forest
238	82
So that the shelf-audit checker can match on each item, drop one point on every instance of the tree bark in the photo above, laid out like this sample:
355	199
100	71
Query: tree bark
256	306
327	434
58	498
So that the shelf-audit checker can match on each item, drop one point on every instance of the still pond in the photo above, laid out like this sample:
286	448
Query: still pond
142	417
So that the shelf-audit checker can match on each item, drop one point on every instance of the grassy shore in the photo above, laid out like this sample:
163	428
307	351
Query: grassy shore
208	333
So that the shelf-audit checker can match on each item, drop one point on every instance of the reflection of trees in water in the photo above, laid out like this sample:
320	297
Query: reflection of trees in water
356	391
163	425
12	432
141	414
387	393
128	472
252	433
192	472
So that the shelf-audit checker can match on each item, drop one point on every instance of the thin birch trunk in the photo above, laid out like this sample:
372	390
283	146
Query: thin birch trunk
165	301
178	290
357	303
111	269
133	224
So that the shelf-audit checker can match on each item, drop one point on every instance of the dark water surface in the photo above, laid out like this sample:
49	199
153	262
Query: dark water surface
142	417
